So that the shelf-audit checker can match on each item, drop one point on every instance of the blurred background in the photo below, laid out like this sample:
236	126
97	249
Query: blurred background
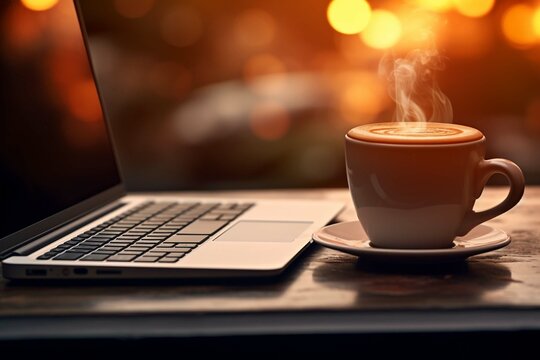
225	94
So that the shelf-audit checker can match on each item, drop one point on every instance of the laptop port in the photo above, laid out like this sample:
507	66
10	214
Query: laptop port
36	272
80	271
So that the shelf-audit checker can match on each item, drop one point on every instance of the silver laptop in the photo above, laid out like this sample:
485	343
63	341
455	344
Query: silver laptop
65	214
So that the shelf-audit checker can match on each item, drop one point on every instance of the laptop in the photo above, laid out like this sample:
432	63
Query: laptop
65	212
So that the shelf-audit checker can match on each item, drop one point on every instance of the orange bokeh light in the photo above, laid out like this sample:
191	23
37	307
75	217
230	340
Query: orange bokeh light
362	97
348	16
269	121
133	9
536	22
474	8
39	5
21	31
261	65
472	38
383	30
435	5
83	101
517	25
254	28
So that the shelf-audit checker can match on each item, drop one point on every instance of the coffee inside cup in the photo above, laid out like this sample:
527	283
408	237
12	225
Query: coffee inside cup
415	133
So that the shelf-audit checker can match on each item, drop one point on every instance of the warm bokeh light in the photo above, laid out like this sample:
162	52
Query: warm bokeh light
362	97
269	120
435	5
383	30
353	50
536	22
181	27
83	101
254	28
39	5
262	64
419	29
473	38
517	25
474	8
133	9
63	67
348	16
21	30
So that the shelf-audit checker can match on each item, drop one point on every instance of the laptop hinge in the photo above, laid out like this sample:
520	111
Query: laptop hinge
64	230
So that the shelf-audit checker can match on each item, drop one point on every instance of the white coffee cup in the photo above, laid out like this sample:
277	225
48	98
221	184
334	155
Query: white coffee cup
414	186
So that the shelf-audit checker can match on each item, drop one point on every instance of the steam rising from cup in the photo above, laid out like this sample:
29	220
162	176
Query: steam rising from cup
413	87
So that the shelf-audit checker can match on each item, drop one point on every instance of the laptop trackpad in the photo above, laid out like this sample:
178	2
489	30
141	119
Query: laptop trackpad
264	231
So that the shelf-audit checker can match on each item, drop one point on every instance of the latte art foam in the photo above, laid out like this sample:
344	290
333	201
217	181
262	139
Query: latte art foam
415	133
405	131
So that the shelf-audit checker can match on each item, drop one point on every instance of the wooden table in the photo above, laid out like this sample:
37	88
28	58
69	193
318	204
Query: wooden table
323	292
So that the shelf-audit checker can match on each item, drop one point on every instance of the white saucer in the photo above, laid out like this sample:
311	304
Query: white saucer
351	238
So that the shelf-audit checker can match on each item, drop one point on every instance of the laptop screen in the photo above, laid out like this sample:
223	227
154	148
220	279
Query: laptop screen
55	150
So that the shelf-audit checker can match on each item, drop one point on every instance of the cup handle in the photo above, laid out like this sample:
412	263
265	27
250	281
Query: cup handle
485	170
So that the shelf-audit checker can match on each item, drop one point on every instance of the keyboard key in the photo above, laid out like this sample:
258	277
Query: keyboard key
131	249
107	252
225	206
95	257
156	237
70	255
207	227
227	217
86	247
166	244
244	206
122	258
132	252
186	245
210	217
156	253
146	241
147	227
119	243
114	248
82	250
56	251
147	259
46	256
103	236
178	250
93	243
167	259
190	239
177	223
227	212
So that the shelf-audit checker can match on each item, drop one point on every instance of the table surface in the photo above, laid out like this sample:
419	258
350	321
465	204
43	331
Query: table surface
323	291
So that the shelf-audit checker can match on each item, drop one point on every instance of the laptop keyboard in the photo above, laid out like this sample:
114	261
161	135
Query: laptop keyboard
161	232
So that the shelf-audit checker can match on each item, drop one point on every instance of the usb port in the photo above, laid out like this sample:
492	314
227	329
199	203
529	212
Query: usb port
36	272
